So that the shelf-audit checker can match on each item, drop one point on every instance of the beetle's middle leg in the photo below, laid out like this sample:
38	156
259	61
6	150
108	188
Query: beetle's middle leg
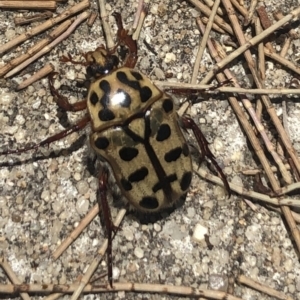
188	123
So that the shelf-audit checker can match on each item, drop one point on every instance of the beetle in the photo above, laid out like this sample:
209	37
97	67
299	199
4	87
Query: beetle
136	130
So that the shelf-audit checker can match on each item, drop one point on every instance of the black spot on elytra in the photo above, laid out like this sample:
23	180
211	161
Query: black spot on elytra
145	93
124	79
163	132
186	181
168	105
138	175
105	86
185	150
101	143
127	186
127	99
173	154
94	98
149	202
136	75
161	184
128	153
106	115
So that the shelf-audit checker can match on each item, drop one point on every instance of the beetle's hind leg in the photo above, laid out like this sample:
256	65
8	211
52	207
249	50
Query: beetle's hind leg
123	38
104	212
188	123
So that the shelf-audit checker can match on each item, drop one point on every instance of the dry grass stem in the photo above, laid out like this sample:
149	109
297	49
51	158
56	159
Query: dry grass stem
46	70
210	4
105	24
262	288
243	11
214	25
39	5
98	257
36	48
140	16
223	89
250	43
284	62
44	26
261	66
83	16
218	20
12	276
29	19
249	16
75	233
204	40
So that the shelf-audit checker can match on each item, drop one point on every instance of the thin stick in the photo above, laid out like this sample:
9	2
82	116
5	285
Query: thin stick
40	5
93	266
262	288
293	14
104	19
48	48
47	69
29	19
204	40
75	233
141	19
120	286
44	26
12	276
223	89
218	20
282	201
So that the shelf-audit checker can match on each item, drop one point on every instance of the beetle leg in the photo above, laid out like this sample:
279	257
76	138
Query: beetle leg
104	211
74	128
189	123
63	101
123	38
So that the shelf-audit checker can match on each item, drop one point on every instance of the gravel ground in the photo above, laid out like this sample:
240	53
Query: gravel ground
44	195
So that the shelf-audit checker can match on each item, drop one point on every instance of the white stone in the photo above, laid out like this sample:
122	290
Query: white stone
199	232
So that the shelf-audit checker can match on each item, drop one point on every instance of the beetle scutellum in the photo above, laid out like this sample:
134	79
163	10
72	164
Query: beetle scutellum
136	129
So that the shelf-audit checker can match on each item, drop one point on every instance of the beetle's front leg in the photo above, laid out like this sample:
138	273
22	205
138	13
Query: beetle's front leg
123	38
63	101
104	211
188	123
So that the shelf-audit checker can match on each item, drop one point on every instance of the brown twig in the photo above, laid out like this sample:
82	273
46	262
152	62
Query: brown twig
218	20
29	19
98	257
39	5
36	48
49	47
46	70
262	288
12	276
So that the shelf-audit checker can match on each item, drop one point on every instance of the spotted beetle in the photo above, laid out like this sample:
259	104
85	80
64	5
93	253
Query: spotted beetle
136	130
